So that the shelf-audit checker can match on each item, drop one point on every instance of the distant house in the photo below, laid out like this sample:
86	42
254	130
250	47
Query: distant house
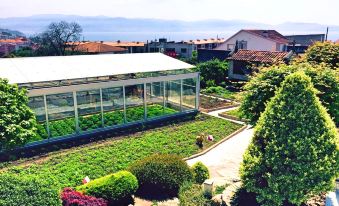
211	43
258	40
13	44
99	48
132	47
244	62
299	43
171	48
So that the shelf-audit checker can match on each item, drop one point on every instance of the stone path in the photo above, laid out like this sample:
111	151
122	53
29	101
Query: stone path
224	160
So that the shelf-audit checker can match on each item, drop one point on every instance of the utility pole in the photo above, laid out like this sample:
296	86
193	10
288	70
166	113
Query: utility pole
326	34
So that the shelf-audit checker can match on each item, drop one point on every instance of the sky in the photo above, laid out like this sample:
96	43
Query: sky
263	11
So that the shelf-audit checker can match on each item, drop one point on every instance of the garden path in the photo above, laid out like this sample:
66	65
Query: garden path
224	160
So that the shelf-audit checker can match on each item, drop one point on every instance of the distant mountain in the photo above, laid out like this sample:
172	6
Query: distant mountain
103	25
11	33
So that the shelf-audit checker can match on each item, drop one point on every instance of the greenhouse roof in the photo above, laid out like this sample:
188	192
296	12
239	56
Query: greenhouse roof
43	69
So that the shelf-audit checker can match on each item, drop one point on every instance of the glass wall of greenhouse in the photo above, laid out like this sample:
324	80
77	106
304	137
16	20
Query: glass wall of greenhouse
85	108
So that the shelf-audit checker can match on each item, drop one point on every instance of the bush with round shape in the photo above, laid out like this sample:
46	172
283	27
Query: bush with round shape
294	152
161	173
200	172
115	187
262	87
17	121
28	191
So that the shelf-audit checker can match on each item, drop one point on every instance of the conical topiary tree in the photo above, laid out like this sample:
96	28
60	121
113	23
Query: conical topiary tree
294	152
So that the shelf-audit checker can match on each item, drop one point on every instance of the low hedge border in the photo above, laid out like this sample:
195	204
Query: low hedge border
232	117
219	108
216	144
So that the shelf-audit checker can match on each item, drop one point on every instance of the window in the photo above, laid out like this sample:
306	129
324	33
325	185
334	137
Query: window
189	94
155	99
38	106
61	114
89	110
183	50
113	106
242	45
134	102
230	46
172	95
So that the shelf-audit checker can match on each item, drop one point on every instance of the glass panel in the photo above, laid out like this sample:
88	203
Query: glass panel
113	104
38	106
134	102
172	100
61	114
89	110
155	99
189	94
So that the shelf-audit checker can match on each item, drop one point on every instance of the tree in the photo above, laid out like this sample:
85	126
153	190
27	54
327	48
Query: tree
294	153
17	121
263	85
323	52
213	72
57	38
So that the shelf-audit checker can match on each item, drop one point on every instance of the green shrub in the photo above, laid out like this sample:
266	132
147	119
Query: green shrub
294	152
323	52
192	195
262	87
17	121
213	72
114	187
200	172
27	191
161	173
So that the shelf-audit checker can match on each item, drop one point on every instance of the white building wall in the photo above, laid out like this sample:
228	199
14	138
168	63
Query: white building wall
253	42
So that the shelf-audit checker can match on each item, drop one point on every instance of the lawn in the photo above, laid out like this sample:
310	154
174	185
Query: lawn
223	93
69	167
234	113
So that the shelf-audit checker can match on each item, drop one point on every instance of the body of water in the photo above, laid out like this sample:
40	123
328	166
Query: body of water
174	36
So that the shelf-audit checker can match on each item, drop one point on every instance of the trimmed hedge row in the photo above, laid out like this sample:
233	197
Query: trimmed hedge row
115	187
67	126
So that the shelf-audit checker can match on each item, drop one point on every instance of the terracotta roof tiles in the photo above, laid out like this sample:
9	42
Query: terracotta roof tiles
258	56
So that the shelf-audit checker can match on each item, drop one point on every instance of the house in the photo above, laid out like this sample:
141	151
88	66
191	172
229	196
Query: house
171	48
244	62
99	48
91	94
211	43
258	40
132	47
300	43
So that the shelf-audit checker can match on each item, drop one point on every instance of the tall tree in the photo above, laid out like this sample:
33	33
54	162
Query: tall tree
294	153
57	38
17	121
263	85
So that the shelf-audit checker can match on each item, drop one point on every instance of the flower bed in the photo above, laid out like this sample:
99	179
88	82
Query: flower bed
234	114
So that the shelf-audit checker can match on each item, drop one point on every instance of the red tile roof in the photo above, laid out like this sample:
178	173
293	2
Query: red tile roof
268	34
258	56
94	47
206	41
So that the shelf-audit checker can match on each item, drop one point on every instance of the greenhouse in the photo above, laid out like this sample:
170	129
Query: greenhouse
75	95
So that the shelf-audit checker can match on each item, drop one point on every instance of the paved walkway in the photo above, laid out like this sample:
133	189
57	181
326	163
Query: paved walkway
224	160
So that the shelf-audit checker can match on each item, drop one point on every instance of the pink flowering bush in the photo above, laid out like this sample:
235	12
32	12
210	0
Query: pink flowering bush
70	197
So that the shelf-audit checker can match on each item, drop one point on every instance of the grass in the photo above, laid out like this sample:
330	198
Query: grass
234	113
223	93
67	168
